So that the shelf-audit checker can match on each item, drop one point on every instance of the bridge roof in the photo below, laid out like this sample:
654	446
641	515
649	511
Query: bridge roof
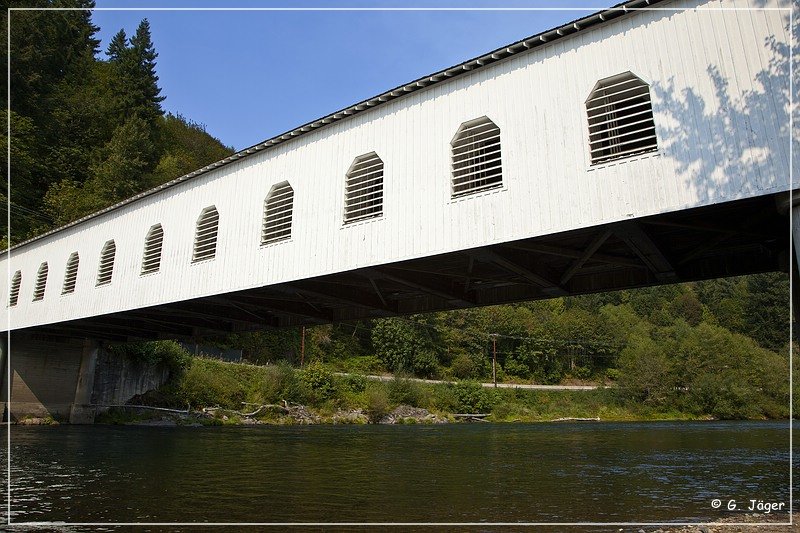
540	39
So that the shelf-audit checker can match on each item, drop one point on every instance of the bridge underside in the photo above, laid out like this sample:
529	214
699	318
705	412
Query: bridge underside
730	239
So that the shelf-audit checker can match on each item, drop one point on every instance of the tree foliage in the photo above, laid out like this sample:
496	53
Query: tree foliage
698	348
402	349
88	132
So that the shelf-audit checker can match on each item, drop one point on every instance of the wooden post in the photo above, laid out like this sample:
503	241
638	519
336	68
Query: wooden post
494	359
302	344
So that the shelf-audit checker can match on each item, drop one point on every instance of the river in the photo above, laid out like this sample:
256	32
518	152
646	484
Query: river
560	472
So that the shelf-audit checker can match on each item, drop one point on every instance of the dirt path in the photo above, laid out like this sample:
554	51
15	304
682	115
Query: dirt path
488	385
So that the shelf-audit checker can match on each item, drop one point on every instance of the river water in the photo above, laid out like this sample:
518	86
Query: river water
561	472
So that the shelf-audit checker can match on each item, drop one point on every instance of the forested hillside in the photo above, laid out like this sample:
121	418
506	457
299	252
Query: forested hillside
88	129
717	348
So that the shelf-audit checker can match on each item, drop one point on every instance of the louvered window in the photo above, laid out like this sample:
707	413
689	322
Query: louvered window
278	214
71	274
477	162
151	259
41	282
205	238
364	188
106	269
13	294
620	118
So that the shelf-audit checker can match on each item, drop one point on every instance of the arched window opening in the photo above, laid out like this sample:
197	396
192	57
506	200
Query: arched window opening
13	293
71	274
620	117
153	242
364	188
106	269
205	238
477	159
278	205
41	282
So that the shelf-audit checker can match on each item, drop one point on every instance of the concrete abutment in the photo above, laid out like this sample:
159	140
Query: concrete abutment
68	379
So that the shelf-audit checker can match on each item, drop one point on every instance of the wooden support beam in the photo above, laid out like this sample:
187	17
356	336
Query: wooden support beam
208	308
105	332
428	271
470	266
595	245
425	286
277	306
166	319
601	268
128	322
708	244
647	250
704	226
336	293
60	330
561	251
549	287
378	291
309	303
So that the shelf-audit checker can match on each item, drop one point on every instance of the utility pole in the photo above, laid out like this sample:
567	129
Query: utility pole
494	358
302	345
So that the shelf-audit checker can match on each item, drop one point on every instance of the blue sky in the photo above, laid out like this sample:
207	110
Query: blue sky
249	75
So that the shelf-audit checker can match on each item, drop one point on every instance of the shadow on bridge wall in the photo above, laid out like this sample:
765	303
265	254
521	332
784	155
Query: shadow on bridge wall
738	145
71	380
44	376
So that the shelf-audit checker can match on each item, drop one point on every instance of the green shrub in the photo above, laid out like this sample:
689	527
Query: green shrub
404	347
515	368
169	353
581	372
319	381
354	382
365	364
501	373
472	397
444	398
504	411
205	383
377	402
404	391
279	382
425	363
463	367
537	359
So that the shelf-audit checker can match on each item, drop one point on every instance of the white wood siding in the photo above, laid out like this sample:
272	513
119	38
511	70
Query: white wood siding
536	98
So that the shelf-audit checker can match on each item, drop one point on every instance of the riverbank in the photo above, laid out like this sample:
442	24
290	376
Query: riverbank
270	414
212	392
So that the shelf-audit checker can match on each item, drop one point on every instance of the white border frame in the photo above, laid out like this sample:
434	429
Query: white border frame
10	523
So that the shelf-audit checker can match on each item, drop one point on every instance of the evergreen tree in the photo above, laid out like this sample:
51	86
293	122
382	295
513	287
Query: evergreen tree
110	139
767	310
50	50
117	49
146	80
120	169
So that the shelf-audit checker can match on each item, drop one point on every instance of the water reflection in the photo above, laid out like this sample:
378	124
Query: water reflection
482	472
